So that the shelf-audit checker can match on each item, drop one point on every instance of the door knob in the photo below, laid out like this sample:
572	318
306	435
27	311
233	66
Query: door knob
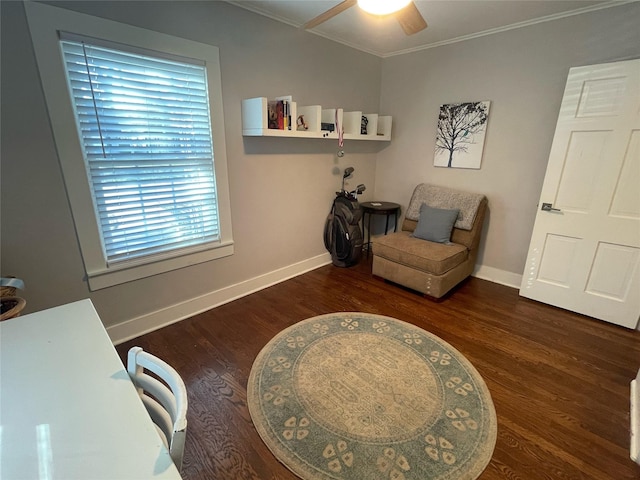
548	207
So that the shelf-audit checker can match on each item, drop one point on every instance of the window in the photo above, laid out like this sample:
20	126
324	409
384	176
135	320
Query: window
145	132
149	141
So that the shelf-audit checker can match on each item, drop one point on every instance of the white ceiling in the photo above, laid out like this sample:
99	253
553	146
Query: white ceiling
448	20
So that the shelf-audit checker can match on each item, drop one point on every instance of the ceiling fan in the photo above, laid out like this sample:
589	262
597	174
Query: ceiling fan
406	13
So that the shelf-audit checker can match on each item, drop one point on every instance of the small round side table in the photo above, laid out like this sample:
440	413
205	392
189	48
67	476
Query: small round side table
379	208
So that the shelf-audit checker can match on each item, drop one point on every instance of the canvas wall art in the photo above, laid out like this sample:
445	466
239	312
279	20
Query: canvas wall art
460	137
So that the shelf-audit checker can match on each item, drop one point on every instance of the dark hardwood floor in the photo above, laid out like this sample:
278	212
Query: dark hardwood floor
559	381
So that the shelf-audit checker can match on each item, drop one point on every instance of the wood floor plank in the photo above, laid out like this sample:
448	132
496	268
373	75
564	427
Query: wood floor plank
559	380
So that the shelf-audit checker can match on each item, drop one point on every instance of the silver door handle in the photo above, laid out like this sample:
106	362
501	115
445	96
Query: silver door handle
548	207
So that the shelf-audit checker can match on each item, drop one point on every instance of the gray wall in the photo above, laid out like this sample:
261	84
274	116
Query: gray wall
281	190
523	73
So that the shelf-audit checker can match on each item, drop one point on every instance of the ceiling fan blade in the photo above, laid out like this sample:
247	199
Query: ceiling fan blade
410	19
332	12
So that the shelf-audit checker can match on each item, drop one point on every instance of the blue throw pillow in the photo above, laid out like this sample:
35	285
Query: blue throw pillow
435	224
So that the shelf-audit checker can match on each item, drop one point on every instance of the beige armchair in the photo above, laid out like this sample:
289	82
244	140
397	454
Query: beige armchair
432	267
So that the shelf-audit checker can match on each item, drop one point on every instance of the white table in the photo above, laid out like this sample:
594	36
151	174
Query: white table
68	409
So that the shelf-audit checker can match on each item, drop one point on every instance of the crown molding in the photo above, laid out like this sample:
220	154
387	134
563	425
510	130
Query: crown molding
462	38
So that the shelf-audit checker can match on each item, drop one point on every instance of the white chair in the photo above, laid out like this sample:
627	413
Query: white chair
166	406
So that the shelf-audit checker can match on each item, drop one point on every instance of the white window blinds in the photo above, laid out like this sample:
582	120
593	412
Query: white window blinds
145	128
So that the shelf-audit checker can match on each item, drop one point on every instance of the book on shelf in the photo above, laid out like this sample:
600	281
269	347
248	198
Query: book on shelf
278	112
272	114
286	100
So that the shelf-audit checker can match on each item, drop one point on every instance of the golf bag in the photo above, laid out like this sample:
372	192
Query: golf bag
342	234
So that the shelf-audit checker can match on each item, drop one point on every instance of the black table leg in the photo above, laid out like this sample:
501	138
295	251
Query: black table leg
369	235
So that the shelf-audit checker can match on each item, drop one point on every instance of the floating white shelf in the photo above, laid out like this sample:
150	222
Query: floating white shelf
254	122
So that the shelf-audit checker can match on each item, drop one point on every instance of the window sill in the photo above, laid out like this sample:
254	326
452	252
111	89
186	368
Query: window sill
127	272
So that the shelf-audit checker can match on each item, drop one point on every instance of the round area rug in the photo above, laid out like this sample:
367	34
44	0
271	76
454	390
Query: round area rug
361	396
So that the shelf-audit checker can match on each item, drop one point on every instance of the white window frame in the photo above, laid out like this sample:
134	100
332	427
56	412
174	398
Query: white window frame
45	23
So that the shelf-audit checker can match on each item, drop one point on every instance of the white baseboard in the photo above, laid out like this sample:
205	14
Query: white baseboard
496	275
161	318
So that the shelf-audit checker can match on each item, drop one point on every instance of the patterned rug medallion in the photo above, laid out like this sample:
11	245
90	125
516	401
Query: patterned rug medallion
361	396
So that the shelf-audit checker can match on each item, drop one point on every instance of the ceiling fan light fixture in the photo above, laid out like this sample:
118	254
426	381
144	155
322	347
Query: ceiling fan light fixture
382	7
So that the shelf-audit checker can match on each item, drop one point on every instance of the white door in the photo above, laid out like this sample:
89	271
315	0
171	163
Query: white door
584	254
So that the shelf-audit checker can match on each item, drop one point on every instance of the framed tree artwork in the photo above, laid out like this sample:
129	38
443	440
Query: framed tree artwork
460	138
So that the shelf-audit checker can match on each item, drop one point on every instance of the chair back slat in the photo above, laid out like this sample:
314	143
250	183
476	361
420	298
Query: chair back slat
167	407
